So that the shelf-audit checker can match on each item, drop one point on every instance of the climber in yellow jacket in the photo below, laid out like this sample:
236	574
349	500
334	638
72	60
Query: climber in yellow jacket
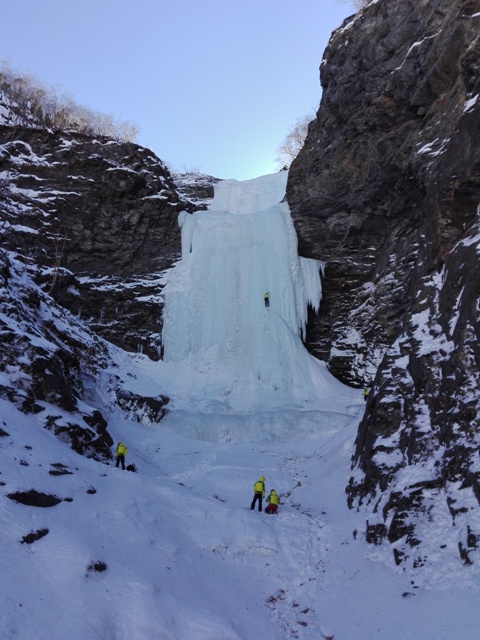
258	493
272	502
120	454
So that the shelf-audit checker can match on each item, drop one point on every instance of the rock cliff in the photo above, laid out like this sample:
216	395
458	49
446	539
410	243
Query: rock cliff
100	217
387	191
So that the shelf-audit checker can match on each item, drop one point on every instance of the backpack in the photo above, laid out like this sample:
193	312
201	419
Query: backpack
132	467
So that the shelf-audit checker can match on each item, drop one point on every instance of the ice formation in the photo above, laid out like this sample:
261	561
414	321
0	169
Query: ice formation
250	196
215	317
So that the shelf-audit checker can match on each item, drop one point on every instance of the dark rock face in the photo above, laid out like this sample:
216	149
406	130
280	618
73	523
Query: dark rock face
59	470
197	188
391	143
34	498
141	408
387	192
100	217
46	358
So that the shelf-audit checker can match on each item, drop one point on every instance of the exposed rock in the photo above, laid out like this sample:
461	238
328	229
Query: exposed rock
387	192
143	409
198	188
34	498
375	533
376	181
47	358
83	440
32	537
98	566
59	470
93	222
100	217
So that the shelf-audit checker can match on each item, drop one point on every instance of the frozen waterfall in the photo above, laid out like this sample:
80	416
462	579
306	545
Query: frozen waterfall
215	319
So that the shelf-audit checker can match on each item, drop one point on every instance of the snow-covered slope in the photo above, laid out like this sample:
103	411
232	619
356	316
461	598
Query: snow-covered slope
174	552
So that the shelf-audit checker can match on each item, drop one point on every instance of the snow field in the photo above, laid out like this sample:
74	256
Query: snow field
185	556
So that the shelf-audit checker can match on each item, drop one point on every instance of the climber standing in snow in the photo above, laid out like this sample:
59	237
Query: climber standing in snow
265	298
258	493
120	454
366	394
272	502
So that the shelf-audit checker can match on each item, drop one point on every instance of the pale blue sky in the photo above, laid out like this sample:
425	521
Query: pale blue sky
213	85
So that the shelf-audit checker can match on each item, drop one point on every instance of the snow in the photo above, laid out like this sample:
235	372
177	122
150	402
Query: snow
250	196
429	150
186	558
414	46
469	104
456	312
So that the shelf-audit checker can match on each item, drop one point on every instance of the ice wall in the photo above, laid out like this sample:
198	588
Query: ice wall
215	317
249	196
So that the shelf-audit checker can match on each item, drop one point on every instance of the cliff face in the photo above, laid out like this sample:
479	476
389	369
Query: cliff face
48	359
100	218
387	192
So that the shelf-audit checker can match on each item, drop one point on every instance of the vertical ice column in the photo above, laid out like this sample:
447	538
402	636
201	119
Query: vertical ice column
214	295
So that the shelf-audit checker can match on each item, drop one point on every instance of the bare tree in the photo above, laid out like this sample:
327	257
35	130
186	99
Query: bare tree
33	104
127	131
356	3
293	142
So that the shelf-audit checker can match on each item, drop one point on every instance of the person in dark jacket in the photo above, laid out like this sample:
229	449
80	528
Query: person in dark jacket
258	493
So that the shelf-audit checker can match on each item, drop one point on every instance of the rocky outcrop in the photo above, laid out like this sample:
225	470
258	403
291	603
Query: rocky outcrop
197	188
100	217
395	137
47	358
387	192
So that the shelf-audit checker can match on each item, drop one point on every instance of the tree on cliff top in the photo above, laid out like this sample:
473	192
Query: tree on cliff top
293	142
32	104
